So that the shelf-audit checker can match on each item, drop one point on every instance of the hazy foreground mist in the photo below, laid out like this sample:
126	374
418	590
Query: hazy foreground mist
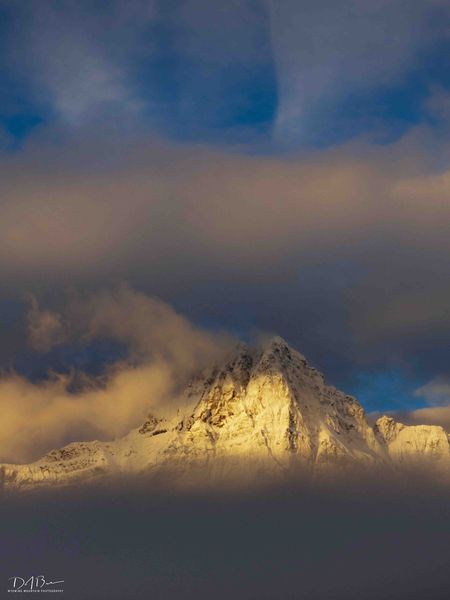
364	542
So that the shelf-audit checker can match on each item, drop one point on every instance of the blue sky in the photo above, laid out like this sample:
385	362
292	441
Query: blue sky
272	76
285	161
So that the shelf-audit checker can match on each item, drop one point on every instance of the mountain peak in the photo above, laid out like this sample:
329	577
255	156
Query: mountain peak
276	341
264	410
278	345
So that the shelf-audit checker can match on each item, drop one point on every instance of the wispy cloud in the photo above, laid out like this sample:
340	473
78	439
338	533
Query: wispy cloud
204	70
45	327
326	51
436	392
437	415
77	59
164	350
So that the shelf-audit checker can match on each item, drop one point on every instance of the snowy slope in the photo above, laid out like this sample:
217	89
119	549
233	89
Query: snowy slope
414	444
265	413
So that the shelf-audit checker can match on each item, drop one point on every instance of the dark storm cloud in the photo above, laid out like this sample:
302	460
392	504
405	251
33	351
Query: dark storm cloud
344	250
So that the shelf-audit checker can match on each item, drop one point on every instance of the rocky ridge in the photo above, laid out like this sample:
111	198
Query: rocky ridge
264	414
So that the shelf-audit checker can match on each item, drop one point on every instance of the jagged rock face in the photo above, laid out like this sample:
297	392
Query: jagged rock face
264	413
271	410
404	444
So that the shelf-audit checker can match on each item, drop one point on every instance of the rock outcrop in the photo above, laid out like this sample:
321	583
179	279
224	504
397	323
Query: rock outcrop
414	444
265	413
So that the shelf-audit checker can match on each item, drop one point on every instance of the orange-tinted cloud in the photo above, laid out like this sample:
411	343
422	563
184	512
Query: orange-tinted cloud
165	349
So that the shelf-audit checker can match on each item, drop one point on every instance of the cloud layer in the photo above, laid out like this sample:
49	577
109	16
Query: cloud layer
355	238
164	350
367	540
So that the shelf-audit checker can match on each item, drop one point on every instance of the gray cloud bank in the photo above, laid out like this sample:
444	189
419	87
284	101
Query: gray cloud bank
345	249
362	541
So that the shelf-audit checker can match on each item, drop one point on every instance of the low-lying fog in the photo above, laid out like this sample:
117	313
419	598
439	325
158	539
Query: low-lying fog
361	541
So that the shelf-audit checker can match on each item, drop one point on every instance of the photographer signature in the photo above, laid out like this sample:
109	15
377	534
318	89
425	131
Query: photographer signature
35	582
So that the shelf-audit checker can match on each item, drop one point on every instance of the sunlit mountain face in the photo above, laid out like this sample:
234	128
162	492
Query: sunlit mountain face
181	184
263	416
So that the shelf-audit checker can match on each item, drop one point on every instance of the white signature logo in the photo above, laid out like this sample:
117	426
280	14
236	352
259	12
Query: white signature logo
35	583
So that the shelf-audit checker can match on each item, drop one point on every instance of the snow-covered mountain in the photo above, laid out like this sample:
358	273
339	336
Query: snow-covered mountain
264	414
